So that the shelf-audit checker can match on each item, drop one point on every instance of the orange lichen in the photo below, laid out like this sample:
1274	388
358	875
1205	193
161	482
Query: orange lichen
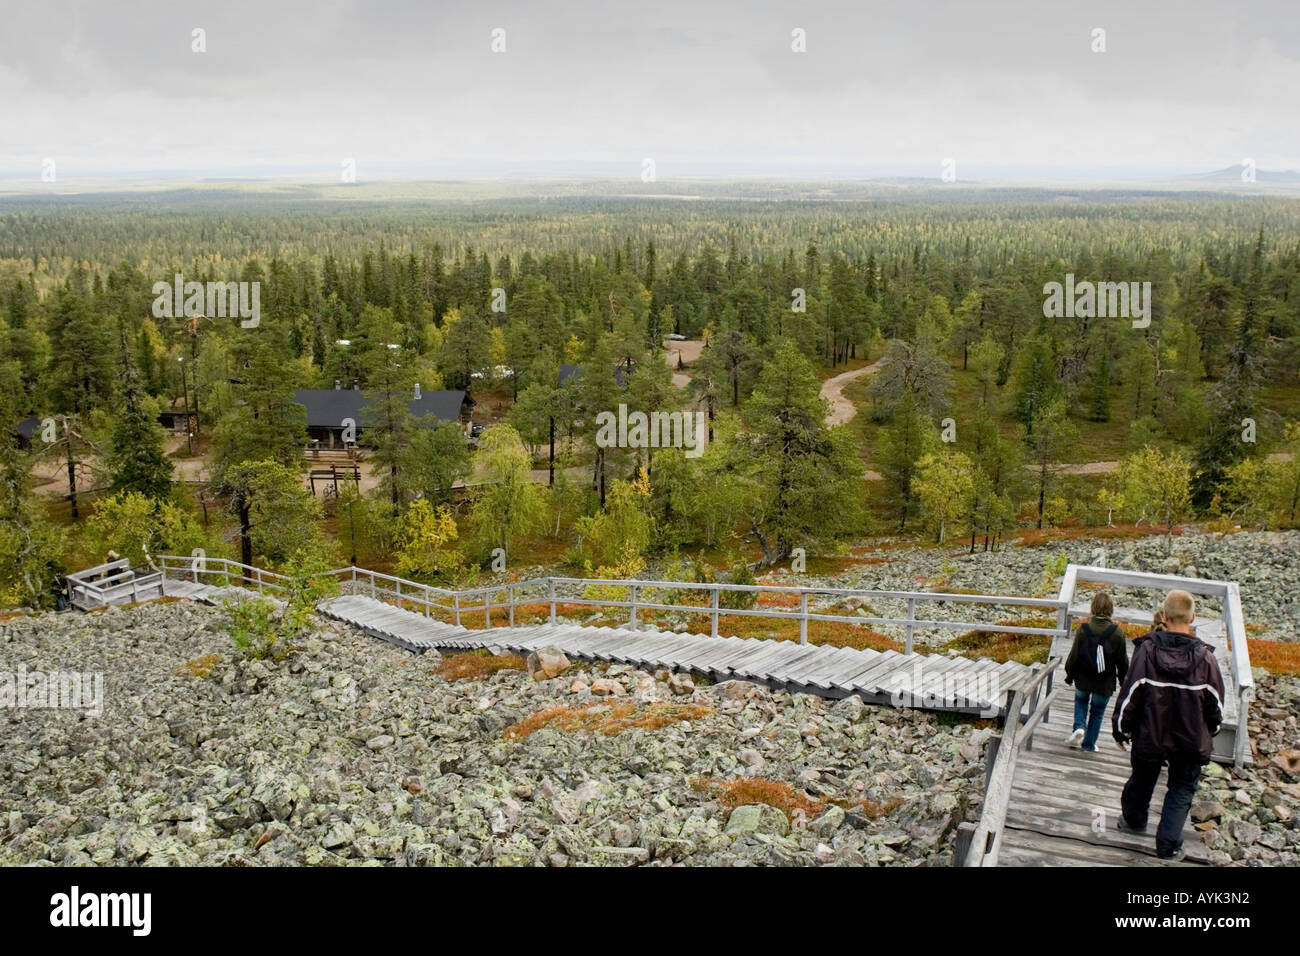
741	791
473	666
1277	657
612	718
200	666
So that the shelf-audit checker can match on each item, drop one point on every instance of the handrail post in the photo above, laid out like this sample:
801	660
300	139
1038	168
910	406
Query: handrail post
487	608
510	593
455	605
1063	624
1033	706
399	593
631	592
714	609
426	600
911	627
803	617
550	593
1241	744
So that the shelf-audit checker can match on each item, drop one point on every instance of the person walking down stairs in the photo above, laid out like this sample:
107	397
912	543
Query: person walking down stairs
1097	663
1170	708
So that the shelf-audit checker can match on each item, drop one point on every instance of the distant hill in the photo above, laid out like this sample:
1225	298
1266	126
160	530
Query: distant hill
1232	174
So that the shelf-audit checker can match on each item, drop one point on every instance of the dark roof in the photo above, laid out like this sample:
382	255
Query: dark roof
27	427
444	406
327	407
569	371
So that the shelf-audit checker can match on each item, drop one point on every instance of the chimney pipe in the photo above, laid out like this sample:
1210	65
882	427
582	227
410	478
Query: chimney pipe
417	391
337	385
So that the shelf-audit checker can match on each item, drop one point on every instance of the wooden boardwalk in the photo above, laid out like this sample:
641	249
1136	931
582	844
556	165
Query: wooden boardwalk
885	677
1065	803
207	593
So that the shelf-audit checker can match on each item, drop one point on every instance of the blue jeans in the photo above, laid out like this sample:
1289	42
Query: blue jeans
1088	712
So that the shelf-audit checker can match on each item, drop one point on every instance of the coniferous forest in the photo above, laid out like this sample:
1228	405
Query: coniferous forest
977	415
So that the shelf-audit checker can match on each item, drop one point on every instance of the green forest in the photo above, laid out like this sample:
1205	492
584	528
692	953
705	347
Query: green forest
977	417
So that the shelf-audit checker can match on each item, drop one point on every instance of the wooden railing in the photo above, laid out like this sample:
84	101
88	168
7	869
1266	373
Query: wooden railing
1240	679
552	592
1027	706
222	572
111	583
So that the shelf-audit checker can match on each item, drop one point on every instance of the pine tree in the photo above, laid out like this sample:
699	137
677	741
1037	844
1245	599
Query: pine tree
900	447
798	462
1049	438
1036	383
1100	409
136	460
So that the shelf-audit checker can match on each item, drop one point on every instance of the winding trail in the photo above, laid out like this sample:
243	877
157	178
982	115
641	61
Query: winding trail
843	410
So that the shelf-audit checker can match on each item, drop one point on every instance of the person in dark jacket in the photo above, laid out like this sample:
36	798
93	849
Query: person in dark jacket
1098	660
1170	708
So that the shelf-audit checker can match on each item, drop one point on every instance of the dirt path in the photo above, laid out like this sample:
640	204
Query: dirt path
688	350
843	410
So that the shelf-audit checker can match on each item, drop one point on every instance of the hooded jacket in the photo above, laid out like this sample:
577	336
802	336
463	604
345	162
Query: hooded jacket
1171	704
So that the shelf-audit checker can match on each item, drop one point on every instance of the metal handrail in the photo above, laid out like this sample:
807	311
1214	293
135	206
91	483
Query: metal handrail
979	845
511	595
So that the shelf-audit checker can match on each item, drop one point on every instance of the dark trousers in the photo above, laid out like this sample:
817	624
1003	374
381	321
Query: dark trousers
1183	776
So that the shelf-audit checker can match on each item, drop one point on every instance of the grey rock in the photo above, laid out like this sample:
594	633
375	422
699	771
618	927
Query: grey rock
757	818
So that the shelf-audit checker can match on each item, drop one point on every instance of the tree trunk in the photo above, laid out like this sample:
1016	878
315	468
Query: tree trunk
194	357
72	480
245	541
1042	494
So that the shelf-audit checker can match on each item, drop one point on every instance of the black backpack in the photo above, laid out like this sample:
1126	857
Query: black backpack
1094	650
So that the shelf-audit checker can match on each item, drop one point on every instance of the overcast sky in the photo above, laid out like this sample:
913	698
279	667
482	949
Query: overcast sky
413	88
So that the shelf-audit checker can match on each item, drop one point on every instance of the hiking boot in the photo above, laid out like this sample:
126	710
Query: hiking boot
1122	825
1174	857
1075	739
1091	750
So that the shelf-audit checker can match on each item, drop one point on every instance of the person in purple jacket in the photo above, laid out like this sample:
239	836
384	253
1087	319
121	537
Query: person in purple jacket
1169	709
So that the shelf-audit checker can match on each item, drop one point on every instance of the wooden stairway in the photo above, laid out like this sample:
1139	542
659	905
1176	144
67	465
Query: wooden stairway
883	677
1065	803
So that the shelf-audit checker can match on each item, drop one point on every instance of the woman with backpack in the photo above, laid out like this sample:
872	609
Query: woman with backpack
1097	663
